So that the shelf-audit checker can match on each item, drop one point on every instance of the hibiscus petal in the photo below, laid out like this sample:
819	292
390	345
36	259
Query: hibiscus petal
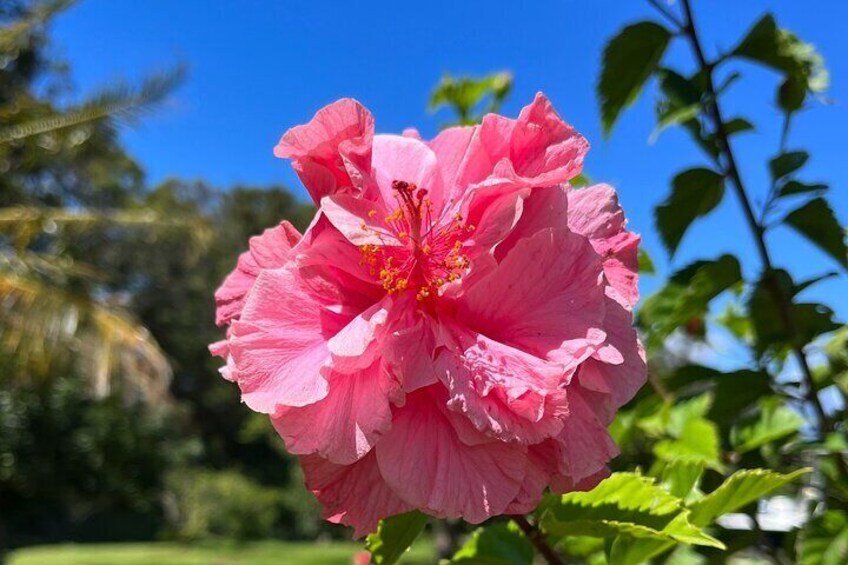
619	381
334	144
269	250
280	343
538	148
595	213
504	392
405	159
545	297
426	464
354	495
346	424
355	346
585	446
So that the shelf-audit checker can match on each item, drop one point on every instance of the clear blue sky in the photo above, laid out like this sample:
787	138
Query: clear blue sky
259	67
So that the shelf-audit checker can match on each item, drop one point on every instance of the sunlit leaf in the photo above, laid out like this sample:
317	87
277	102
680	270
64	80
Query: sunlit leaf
781	50
624	504
741	489
773	422
497	544
394	536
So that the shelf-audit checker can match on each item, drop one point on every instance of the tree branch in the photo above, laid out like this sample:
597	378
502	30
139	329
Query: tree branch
783	302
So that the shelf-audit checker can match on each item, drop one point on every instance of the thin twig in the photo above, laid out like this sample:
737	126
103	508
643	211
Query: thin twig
783	302
535	535
666	13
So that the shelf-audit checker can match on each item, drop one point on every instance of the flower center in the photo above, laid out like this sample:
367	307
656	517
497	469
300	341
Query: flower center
432	252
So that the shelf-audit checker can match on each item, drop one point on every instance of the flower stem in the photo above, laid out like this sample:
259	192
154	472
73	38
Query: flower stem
535	535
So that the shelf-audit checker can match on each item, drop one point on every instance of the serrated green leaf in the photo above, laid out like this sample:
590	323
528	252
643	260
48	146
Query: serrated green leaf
681	478
394	536
773	422
697	443
781	50
497	544
816	221
695	193
824	541
624	504
793	187
739	490
628	60
787	163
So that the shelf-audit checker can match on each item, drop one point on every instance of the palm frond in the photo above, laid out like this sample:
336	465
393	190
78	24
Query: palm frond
23	222
44	328
123	102
16	34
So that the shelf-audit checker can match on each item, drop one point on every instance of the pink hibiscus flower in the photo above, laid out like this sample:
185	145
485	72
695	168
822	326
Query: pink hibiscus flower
452	333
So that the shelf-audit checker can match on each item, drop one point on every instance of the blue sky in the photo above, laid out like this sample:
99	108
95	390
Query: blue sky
260	67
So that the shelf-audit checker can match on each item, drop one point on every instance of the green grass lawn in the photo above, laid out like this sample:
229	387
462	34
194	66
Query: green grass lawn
161	553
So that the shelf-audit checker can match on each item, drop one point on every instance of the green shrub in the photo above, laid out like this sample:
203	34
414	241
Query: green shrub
204	504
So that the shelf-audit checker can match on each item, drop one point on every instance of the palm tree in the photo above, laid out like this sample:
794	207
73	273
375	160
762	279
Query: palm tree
57	312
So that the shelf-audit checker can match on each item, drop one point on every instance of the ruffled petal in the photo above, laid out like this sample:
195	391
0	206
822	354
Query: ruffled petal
504	392
618	381
333	150
595	213
279	345
424	461
267	251
346	424
585	446
538	149
354	495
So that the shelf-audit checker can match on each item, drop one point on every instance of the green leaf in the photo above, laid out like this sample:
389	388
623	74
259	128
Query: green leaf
795	187
466	94
741	489
695	193
781	50
770	331
624	504
628	60
824	541
681	478
646	264
738	125
773	422
816	221
686	296
787	163
394	536
698	443
498	544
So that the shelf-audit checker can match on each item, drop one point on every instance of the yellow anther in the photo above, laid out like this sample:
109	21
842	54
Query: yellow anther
426	249
403	234
470	227
372	213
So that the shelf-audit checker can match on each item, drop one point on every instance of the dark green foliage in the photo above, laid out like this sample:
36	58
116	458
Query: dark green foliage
629	59
695	193
816	221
